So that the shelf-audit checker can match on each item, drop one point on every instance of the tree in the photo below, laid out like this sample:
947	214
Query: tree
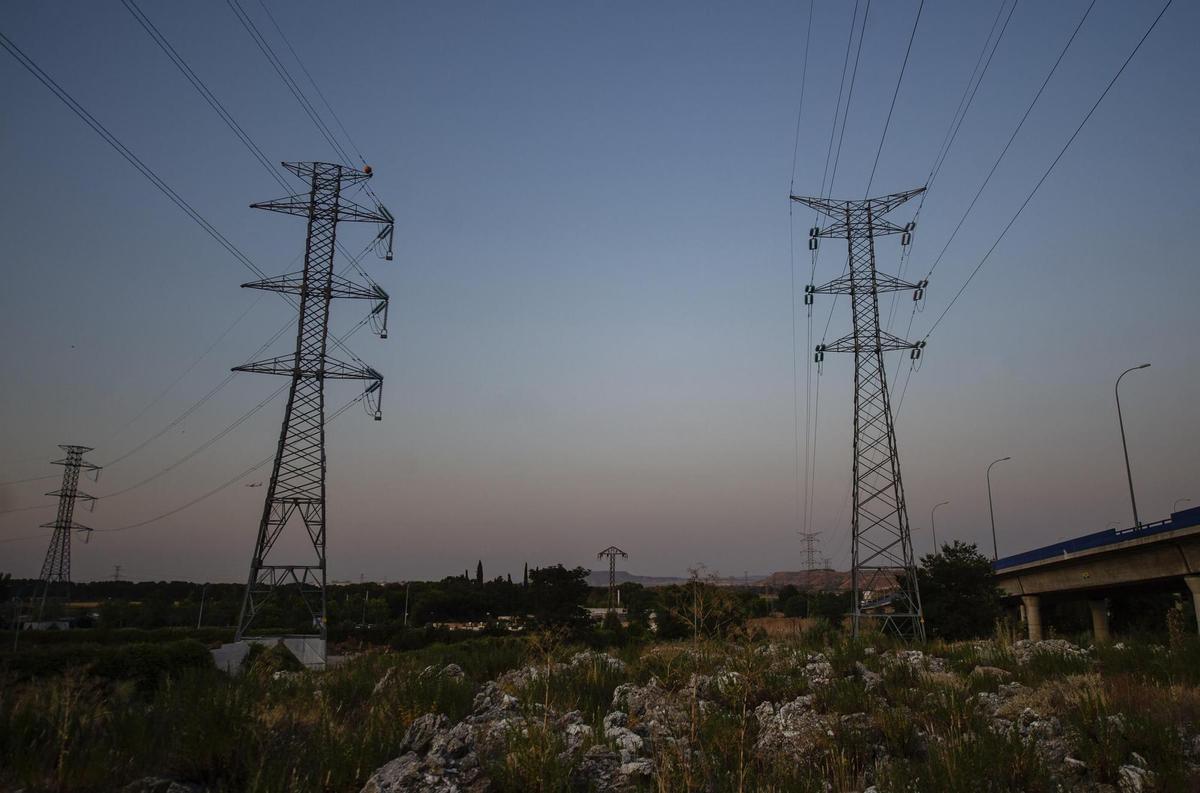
958	592
479	572
556	595
525	579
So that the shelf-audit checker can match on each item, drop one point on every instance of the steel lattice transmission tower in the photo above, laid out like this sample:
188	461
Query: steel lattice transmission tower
612	552
810	548
883	571
296	494
56	569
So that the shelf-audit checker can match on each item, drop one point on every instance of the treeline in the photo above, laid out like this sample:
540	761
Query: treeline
547	596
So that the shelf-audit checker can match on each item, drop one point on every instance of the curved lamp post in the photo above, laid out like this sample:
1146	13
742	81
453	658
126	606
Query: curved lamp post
933	526
991	510
1121	421
1178	501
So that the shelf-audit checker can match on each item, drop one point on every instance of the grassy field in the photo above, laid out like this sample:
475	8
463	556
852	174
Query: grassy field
968	716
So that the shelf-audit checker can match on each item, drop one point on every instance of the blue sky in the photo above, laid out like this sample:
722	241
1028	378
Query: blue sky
591	309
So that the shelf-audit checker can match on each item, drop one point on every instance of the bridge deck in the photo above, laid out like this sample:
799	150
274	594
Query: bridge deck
1178	520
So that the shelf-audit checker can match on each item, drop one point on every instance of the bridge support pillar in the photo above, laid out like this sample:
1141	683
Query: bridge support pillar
1193	583
1033	615
1099	608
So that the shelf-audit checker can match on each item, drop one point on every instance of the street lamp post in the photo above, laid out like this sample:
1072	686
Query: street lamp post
991	509
1121	421
933	526
1178	501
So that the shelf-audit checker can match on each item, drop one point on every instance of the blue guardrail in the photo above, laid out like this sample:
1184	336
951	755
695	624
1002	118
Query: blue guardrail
1178	520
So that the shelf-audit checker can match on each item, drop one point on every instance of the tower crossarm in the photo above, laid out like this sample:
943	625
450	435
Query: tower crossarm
847	284
346	211
885	342
331	369
294	283
838	210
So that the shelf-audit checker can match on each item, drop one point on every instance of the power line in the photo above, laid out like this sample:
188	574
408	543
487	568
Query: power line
1038	185
895	93
206	495
1012	137
1050	168
986	53
29	479
811	430
792	276
228	429
281	70
316	87
203	90
31	66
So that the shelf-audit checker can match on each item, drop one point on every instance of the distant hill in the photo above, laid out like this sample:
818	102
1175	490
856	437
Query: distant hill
816	580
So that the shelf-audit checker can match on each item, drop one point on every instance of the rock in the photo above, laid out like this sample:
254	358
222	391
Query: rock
154	784
656	712
638	768
601	771
452	672
793	728
597	770
628	742
993	672
403	773
422	731
1077	767
492	702
1131	779
870	679
615	718
1031	724
601	659
1137	759
1025	649
818	670
730	683
915	660
577	735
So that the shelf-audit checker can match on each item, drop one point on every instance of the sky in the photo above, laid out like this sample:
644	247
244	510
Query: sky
591	325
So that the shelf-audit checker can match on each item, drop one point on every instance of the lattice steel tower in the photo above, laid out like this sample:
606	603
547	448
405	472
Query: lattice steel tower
612	552
883	571
56	569
296	494
810	549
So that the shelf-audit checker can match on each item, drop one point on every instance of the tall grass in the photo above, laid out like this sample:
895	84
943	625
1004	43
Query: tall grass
313	732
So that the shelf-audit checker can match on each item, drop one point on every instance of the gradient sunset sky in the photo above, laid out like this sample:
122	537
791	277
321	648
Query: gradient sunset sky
591	322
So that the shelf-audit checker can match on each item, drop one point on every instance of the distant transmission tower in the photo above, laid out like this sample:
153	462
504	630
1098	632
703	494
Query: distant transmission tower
612	552
882	555
297	488
810	548
56	569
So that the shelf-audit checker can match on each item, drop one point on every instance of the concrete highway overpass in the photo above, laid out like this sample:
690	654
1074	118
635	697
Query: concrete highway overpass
1095	565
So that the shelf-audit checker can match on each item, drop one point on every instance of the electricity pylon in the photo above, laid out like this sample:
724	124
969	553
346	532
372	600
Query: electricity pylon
297	488
56	568
612	552
883	571
810	548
